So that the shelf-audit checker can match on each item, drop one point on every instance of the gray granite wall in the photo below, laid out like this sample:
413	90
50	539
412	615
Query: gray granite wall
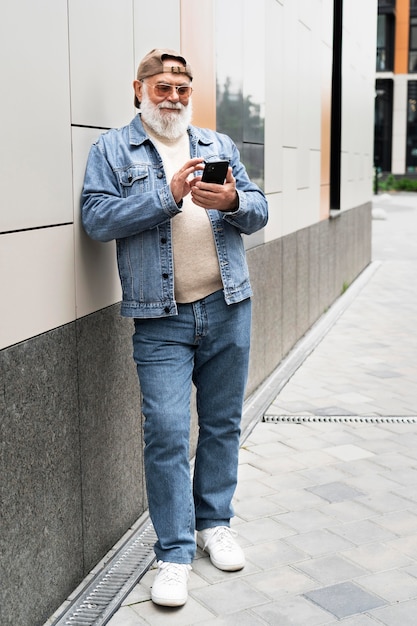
70	460
71	428
296	278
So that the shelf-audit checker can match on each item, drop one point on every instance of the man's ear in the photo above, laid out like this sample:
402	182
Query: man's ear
137	86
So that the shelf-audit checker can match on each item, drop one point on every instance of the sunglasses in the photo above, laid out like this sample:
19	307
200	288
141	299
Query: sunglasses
163	90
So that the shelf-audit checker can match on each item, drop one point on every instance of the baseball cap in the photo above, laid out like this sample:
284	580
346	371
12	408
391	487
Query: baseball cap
153	63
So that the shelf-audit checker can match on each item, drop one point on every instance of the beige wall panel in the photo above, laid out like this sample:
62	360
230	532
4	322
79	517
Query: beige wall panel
326	104
97	279
102	63
37	280
197	45
35	156
324	201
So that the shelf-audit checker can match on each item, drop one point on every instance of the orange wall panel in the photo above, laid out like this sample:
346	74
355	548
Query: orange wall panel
402	26
197	45
326	103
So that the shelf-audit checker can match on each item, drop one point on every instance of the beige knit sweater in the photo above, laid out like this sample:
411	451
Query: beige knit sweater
196	266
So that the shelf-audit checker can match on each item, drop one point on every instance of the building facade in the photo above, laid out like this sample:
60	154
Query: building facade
395	147
275	76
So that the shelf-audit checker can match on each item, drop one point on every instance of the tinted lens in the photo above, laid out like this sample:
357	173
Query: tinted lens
183	91
163	90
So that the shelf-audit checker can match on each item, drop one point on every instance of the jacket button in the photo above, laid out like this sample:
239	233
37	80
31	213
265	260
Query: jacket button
166	309
165	275
163	240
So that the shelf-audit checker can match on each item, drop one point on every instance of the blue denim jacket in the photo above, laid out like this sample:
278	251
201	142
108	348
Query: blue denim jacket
126	197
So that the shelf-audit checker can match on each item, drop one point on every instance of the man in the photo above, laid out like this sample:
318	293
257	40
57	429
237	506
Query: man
185	282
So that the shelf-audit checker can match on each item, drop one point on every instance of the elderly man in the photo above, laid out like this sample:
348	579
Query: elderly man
185	282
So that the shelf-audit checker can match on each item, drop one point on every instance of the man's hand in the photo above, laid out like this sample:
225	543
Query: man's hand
212	196
180	185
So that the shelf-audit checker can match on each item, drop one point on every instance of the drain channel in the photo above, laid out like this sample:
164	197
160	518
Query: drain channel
349	419
102	597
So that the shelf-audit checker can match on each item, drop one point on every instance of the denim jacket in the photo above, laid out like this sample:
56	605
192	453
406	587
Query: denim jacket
126	197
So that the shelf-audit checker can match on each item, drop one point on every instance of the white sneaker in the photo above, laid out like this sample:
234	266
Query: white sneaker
219	542
170	585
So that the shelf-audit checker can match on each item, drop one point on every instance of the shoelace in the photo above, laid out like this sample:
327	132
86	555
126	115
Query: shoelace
224	537
172	572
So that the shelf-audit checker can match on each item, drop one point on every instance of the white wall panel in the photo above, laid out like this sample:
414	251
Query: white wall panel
358	101
327	22
274	113
35	153
311	212
289	216
303	167
314	92
290	78
37	282
97	279
307	11
399	124
273	229
305	117
156	25
102	62
254	56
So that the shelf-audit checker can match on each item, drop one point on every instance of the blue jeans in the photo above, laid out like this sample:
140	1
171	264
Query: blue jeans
206	343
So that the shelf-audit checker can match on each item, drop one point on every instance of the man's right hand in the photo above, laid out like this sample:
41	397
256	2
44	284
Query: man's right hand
180	185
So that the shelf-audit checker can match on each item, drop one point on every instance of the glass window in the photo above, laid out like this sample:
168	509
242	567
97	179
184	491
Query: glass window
411	154
383	125
381	57
412	65
240	85
385	43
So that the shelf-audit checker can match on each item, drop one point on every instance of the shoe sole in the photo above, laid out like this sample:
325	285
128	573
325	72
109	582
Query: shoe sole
227	568
169	601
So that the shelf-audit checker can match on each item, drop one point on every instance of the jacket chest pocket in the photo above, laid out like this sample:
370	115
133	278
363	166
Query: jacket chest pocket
134	180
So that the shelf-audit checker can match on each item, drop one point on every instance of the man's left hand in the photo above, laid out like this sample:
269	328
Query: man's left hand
213	196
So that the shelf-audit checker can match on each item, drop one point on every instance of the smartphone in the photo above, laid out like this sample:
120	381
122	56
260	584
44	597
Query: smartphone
215	172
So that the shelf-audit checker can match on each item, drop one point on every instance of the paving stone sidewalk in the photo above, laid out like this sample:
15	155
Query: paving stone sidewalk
326	509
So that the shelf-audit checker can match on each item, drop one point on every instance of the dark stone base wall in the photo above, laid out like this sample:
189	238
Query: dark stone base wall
296	278
71	444
70	460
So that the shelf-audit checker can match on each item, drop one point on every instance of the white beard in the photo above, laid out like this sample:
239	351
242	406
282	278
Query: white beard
167	125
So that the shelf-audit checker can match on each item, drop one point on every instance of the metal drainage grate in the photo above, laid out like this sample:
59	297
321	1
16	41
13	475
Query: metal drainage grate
349	419
96	604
